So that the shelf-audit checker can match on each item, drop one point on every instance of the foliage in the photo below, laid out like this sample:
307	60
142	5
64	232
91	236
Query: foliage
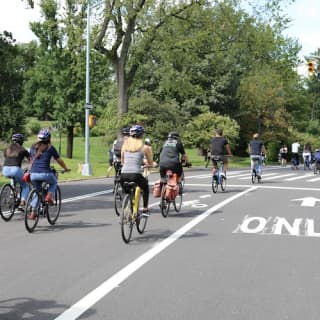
202	128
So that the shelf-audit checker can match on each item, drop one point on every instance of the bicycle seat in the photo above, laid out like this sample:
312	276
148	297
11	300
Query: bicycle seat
129	186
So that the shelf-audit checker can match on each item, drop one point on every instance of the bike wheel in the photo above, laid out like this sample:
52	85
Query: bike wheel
182	181
177	203
214	184
164	203
31	222
53	211
118	198
7	202
223	183
126	218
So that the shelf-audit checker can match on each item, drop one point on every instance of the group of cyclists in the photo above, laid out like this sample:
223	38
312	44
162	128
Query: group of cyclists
39	168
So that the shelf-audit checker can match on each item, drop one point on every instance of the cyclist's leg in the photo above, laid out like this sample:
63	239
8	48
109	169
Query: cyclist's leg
142	182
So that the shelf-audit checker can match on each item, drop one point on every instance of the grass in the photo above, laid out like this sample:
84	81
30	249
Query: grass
99	156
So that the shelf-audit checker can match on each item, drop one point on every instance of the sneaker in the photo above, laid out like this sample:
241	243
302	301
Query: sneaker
32	215
146	213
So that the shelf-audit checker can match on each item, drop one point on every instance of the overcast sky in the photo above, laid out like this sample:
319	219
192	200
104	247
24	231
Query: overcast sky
15	17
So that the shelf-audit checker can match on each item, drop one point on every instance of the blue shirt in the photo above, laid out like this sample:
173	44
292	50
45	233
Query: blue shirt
42	164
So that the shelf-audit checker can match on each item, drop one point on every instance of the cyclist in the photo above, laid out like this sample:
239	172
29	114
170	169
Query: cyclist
306	155
316	158
170	156
256	148
218	146
283	155
133	153
13	157
295	155
41	153
118	143
147	143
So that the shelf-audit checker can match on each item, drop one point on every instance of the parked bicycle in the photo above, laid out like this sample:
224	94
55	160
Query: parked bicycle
256	171
37	206
218	179
10	196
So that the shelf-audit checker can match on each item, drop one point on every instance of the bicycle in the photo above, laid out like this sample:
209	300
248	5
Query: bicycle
218	178
316	167
10	196
256	168
306	162
171	194
36	203
117	189
131	211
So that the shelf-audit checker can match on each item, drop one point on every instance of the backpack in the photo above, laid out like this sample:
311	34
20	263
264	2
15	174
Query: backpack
156	189
317	156
117	146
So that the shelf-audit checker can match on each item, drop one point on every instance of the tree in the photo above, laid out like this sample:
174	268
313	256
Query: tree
14	60
132	26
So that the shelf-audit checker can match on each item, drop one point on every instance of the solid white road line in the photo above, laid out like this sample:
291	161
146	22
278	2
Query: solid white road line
101	291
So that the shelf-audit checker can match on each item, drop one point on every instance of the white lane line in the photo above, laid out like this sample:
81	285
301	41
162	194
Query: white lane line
297	178
314	179
278	177
263	175
89	195
80	307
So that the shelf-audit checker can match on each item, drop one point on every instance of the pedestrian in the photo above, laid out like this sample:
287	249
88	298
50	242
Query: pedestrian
283	155
295	154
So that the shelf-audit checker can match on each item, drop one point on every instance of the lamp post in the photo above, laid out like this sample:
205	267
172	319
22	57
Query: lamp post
86	168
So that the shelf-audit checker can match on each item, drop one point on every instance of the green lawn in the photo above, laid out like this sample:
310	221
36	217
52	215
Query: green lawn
98	157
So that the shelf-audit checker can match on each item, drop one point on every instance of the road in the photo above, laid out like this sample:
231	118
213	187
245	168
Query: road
251	252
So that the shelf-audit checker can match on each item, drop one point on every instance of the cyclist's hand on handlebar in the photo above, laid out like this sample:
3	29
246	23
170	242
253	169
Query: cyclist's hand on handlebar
66	170
188	164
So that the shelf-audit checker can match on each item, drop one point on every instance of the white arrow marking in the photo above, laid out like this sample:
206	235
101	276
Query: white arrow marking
307	202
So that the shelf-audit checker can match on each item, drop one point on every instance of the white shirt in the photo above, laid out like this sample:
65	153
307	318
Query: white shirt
295	147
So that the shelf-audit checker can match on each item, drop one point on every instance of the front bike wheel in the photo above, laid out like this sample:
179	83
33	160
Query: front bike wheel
31	221
223	183
53	211
214	184
126	218
7	202
164	202
118	198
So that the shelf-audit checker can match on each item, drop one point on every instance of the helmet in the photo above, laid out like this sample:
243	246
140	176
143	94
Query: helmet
147	141
18	138
44	135
173	135
136	131
125	131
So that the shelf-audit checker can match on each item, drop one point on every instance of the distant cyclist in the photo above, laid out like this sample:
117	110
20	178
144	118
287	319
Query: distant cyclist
13	157
172	154
306	155
256	148
133	153
219	146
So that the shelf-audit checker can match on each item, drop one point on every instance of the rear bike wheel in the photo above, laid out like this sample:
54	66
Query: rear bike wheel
164	202
53	211
7	202
182	181
223	183
214	184
177	203
253	176
118	195
29	221
141	221
126	218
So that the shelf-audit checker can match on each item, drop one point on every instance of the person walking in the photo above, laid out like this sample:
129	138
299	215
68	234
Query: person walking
283	155
295	154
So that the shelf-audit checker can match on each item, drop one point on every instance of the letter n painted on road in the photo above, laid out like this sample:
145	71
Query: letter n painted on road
280	223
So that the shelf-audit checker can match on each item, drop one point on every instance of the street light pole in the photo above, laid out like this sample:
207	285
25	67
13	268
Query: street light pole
86	168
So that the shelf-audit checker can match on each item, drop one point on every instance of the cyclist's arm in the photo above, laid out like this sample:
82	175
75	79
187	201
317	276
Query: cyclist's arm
148	154
229	150
62	164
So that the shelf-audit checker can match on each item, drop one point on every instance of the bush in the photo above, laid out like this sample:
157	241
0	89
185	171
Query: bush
33	127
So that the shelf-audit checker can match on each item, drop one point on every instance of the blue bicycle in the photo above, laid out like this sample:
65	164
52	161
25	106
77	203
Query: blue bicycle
218	178
256	171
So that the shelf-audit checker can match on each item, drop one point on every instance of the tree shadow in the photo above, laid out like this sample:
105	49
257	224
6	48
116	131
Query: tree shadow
29	308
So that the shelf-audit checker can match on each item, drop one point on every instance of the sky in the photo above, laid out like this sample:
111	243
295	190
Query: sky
15	17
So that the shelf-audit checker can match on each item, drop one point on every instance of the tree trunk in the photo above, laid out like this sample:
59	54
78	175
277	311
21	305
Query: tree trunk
123	88
69	142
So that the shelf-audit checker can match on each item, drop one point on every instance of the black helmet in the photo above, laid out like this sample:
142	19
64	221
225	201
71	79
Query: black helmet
18	138
125	131
173	135
136	131
44	135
